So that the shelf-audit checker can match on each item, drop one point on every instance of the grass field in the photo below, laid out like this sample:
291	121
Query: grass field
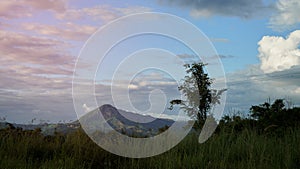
233	150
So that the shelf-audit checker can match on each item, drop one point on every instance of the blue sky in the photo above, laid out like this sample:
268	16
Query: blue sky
258	43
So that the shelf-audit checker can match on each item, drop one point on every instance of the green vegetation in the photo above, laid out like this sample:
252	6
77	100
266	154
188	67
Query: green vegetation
200	97
269	138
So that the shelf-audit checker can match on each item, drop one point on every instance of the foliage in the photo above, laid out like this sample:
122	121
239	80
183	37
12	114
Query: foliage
275	115
196	88
268	118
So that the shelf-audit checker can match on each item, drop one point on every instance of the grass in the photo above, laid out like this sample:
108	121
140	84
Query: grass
228	150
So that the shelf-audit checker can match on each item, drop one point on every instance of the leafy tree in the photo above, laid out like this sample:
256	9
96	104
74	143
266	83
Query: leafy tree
267	112
275	115
197	89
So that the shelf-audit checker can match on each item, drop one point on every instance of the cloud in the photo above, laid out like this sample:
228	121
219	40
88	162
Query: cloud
288	77
138	91
95	13
22	107
104	13
286	16
252	86
278	53
226	56
297	91
26	8
207	8
23	48
186	56
67	31
132	10
37	58
133	87
86	108
190	58
33	63
247	87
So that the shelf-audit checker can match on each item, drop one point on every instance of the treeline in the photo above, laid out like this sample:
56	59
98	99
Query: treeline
266	118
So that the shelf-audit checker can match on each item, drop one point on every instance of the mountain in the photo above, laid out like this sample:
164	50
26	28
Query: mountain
138	126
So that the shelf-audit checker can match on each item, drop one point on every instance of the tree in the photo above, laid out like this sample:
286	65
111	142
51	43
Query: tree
266	112
275	114
196	88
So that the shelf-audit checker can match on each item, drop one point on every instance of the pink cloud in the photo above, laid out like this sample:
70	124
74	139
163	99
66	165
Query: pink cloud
36	62
29	62
104	13
32	49
67	31
26	8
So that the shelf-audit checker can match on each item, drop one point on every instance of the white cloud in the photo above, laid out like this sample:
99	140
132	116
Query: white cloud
297	90
278	53
133	9
287	15
201	13
132	86
86	108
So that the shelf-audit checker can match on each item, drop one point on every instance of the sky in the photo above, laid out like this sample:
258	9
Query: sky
257	41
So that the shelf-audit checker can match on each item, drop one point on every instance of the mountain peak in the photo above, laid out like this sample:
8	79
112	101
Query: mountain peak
124	121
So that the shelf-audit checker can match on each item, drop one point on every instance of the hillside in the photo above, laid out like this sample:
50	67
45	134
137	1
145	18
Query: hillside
139	125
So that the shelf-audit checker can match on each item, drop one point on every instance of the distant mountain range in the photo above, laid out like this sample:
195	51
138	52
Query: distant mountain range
138	126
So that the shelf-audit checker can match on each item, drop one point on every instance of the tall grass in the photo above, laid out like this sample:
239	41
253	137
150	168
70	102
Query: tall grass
247	150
